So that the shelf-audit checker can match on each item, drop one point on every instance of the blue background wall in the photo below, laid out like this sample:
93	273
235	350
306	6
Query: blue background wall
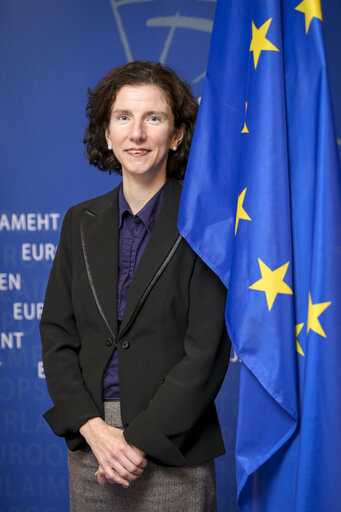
51	51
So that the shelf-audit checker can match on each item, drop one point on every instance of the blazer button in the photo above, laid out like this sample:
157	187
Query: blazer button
109	342
125	344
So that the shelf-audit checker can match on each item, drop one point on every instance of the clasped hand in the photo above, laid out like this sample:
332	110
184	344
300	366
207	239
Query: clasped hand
119	462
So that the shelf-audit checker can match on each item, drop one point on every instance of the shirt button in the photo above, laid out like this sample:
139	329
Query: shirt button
109	342
125	344
137	220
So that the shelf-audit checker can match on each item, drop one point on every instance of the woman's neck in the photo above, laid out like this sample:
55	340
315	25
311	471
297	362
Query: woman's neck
138	190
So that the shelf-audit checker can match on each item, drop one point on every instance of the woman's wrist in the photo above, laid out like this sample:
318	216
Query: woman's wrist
91	426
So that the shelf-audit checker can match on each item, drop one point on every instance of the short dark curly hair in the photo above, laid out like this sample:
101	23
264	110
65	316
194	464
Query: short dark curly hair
102	97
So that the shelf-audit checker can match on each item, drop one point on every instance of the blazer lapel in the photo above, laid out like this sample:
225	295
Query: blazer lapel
163	237
99	233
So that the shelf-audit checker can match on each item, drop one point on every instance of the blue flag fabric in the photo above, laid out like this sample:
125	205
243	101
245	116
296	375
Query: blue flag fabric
261	205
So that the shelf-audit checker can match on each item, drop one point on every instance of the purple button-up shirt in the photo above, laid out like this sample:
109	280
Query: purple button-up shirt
134	233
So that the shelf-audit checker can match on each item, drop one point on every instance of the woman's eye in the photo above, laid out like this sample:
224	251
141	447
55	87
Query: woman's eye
123	118
154	119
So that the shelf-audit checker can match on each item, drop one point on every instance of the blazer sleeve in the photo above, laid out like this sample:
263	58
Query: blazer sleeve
192	384
73	404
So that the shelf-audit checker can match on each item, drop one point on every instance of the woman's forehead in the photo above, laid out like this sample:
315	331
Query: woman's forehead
139	95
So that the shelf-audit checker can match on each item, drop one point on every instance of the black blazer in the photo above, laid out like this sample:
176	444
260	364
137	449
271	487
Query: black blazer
173	346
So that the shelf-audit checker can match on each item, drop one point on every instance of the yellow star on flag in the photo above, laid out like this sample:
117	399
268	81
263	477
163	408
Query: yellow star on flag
311	9
259	41
241	213
298	329
272	282
314	311
245	128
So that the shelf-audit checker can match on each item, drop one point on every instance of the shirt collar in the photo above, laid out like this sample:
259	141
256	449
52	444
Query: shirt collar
146	214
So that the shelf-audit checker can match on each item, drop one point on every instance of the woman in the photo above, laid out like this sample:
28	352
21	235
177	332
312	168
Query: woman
133	376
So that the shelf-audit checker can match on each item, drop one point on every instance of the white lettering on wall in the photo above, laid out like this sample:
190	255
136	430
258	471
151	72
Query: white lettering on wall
38	252
11	339
10	282
41	372
27	310
29	222
234	358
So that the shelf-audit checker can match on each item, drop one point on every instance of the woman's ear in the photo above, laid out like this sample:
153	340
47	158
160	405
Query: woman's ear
107	138
178	136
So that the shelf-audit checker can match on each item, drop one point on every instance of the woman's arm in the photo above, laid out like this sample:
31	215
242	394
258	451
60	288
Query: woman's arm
73	404
74	408
192	384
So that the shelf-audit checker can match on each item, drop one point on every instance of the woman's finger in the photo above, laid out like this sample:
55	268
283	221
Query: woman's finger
136	456
121	468
101	478
114	477
110	476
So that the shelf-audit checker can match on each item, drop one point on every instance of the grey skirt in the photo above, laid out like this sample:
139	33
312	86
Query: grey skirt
159	489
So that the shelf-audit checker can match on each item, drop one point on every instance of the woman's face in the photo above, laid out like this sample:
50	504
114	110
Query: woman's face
141	130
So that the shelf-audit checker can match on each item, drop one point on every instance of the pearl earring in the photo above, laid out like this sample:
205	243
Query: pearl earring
174	148
109	146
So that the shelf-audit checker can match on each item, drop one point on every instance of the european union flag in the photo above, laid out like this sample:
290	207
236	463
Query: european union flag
261	206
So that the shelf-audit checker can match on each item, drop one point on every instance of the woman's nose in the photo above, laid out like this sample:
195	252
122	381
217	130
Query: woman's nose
137	131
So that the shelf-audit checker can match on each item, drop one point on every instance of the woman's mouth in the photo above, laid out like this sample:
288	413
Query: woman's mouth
137	151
